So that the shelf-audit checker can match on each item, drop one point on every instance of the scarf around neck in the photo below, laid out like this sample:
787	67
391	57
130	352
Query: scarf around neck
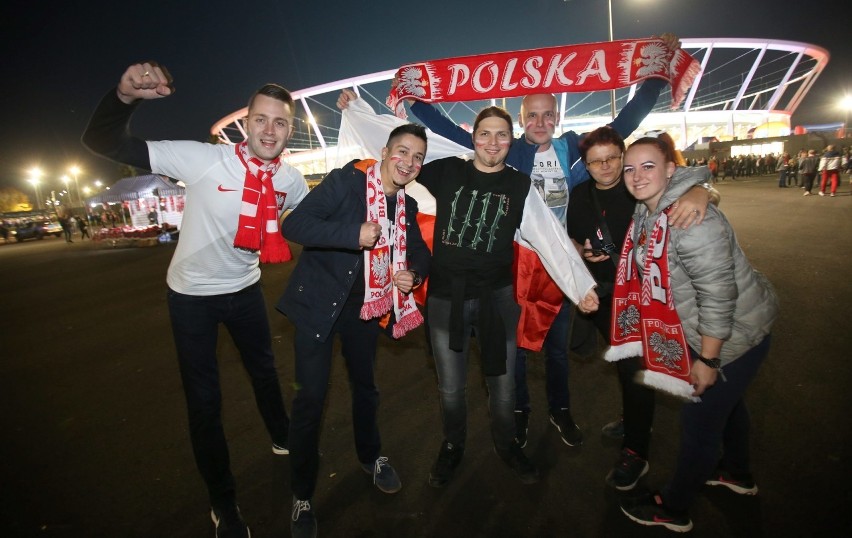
386	257
257	229
644	319
585	67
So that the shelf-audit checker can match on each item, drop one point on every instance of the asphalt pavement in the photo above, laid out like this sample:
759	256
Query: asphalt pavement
94	428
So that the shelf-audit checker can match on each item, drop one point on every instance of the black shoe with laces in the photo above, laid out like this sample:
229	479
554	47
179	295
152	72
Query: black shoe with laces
627	470
515	458
522	426
649	510
229	522
449	458
303	522
568	430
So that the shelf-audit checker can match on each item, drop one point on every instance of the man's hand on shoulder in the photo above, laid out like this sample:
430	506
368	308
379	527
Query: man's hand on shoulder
144	81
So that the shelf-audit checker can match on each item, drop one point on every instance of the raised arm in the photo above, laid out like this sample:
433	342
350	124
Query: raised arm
108	131
441	125
635	111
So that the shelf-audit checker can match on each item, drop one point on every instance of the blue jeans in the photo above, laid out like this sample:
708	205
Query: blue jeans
313	368
720	419
555	365
195	325
452	369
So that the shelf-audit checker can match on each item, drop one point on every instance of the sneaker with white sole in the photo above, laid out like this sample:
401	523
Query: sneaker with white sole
568	430
649	510
741	484
627	470
280	449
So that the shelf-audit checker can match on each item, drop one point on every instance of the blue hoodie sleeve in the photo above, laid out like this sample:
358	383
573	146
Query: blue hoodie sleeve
637	108
441	125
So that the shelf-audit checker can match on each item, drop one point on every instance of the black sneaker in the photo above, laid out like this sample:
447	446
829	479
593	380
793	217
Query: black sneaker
280	449
742	484
627	471
448	459
229	522
614	429
384	476
515	458
649	510
522	421
303	523
570	433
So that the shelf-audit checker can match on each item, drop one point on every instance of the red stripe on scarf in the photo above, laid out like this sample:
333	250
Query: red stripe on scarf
571	68
257	228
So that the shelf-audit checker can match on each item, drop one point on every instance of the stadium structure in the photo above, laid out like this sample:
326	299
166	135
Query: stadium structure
747	90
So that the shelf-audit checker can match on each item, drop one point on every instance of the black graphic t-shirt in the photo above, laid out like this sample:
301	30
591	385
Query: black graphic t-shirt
477	214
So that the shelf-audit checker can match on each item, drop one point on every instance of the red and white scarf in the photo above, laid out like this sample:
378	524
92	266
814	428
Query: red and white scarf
644	319
379	265
571	68
258	225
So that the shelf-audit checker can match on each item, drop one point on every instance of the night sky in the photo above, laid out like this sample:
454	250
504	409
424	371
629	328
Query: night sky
59	58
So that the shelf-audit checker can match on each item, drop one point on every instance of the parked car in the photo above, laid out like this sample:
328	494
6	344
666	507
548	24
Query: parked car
53	228
29	230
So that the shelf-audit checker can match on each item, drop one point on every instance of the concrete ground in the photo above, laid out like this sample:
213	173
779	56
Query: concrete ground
95	440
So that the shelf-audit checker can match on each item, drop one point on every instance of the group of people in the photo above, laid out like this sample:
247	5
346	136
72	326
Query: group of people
801	171
638	247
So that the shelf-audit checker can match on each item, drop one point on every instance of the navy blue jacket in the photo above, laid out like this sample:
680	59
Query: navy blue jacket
328	224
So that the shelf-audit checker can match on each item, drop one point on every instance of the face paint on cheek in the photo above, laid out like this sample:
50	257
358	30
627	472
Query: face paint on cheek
504	143
529	125
395	158
550	124
418	166
480	143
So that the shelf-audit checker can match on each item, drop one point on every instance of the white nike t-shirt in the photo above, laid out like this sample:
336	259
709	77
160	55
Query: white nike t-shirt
205	260
549	180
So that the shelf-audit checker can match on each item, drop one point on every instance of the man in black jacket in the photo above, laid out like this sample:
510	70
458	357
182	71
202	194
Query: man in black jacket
363	255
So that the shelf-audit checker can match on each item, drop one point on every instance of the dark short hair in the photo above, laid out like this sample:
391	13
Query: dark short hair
666	148
600	137
491	112
407	129
277	92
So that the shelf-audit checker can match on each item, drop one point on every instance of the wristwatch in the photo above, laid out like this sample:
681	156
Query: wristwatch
712	363
417	279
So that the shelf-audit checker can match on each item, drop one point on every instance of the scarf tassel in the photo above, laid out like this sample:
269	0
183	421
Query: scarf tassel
377	308
407	324
247	239
666	383
623	351
276	252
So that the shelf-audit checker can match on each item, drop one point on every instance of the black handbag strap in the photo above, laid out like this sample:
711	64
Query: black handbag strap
609	245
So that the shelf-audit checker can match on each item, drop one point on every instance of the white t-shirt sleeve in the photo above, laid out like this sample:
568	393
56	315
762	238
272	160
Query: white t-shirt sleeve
186	160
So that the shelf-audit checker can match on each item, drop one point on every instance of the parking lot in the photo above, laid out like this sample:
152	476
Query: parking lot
94	426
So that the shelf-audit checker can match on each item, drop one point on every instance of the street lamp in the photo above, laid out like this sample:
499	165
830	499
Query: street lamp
34	182
75	171
611	92
35	175
846	105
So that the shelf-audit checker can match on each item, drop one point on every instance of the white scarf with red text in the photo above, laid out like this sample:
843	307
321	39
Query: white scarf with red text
380	262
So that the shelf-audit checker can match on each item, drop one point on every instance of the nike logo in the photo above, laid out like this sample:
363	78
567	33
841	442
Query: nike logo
223	189
658	519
